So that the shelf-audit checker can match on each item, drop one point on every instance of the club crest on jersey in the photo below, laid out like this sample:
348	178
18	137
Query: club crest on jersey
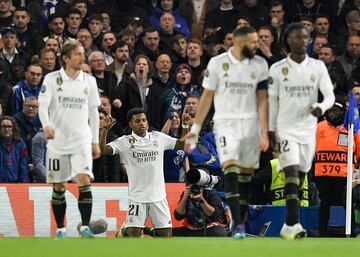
225	66
132	141
43	89
285	71
270	80
156	144
86	90
59	81
253	75
312	77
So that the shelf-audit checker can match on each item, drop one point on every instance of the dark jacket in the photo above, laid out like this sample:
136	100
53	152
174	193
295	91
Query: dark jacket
106	84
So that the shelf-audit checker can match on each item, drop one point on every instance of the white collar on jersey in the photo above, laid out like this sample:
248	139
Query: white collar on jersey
64	76
147	136
233	60
292	63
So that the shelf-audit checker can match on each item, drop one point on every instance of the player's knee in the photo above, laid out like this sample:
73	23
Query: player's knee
83	179
59	187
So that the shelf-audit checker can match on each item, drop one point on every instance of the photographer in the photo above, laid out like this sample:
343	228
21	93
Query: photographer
203	213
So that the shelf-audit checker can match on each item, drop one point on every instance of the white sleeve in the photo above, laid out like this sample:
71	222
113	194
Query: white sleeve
117	145
326	89
45	97
211	79
167	141
94	98
94	124
273	92
263	76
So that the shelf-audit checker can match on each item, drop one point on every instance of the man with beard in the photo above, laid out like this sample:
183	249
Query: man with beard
107	41
294	83
237	80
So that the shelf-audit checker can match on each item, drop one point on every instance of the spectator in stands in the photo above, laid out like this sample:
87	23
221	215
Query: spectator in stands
212	48
258	12
106	80
28	121
95	28
17	71
302	8
107	41
53	43
352	28
227	41
129	37
30	40
175	162
81	5
243	21
47	60
335	69
57	29
314	48
167	6
268	47
224	16
14	160
27	88
167	24
149	45
141	91
203	214
86	68
178	53
162	74
355	88
194	52
348	6
86	40
191	104
38	155
5	13
122	64
10	52
5	87
106	21
194	13
73	22
277	14
350	59
136	25
107	167
114	113
322	27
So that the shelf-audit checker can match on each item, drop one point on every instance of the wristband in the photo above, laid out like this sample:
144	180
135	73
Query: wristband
185	126
195	129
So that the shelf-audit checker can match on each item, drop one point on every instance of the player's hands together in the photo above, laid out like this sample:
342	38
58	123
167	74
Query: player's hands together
190	142
95	151
49	132
264	142
317	112
117	103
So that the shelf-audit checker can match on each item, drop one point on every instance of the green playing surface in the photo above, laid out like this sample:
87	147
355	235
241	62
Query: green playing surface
209	247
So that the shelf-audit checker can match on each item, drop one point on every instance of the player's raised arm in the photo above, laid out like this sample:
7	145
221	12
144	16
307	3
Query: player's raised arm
105	149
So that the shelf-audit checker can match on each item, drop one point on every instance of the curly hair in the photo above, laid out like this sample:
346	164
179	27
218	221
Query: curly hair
16	132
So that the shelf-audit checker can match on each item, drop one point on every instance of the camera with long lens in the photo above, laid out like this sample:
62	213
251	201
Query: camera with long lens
200	179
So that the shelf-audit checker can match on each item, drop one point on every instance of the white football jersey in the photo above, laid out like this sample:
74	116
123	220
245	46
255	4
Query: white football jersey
67	102
293	92
235	84
144	160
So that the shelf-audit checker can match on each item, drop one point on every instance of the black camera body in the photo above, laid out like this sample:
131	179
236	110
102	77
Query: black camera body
195	189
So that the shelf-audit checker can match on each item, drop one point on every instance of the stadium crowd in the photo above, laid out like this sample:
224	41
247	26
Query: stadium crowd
153	54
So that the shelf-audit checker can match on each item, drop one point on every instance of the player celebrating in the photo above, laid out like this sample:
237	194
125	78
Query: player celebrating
237	80
293	98
143	154
68	112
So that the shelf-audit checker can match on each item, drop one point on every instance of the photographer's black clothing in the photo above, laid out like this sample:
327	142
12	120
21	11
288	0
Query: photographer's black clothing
195	219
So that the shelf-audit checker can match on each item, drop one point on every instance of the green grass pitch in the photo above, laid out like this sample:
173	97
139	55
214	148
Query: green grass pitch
174	247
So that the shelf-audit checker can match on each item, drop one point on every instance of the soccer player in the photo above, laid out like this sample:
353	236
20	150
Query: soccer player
237	80
143	154
68	112
294	83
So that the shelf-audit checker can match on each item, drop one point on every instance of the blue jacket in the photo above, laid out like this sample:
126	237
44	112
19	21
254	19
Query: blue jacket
21	92
181	25
14	162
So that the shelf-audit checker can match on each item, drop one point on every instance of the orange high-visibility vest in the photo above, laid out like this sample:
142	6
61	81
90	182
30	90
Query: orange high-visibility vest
331	150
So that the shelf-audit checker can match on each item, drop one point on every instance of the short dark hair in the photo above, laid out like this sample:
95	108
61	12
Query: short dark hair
321	15
21	9
73	11
16	132
118	44
329	46
46	50
289	29
149	30
243	31
276	3
133	112
96	17
102	111
55	16
266	28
